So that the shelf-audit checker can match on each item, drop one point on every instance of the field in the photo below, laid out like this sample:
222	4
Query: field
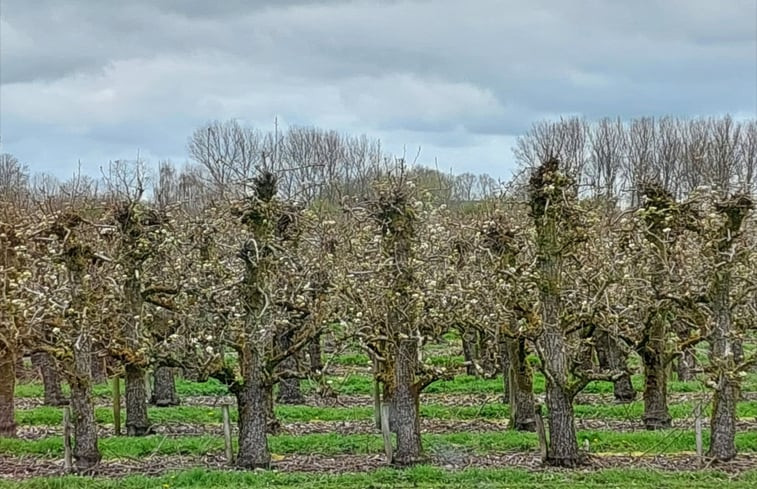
332	442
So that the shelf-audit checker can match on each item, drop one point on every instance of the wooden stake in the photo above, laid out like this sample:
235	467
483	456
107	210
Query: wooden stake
148	385
386	432
227	433
698	431
117	405
542	434
376	396
67	452
511	396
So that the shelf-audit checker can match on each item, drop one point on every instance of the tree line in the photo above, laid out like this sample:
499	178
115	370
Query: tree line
615	241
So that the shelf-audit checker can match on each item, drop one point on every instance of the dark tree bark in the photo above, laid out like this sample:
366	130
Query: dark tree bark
563	441
164	389
488	353
653	356
7	387
99	375
253	401
686	365
314	352
50	379
504	365
86	453
611	357
289	387
470	349
290	392
726	349
520	376
549	198
406	401
723	422
137	423
660	207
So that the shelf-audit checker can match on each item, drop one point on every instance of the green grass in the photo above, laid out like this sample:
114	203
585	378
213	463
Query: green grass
670	441
421	477
53	416
184	388
362	384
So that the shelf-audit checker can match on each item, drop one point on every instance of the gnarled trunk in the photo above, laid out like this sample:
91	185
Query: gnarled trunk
723	422
253	402
137	423
520	381
314	352
290	392
487	353
164	390
552	343
99	374
727	389
406	405
86	453
7	388
289	387
686	365
656	415
563	442
50	379
470	349
611	357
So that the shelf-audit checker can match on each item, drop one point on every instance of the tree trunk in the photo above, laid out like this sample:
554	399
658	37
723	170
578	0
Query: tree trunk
487	352
552	343
687	363
50	379
99	375
314	352
7	395
253	401
522	405
656	415
722	357
470	349
406	405
290	392
611	357
723	422
504	365
563	442
86	453
274	425
164	391
137	423
289	387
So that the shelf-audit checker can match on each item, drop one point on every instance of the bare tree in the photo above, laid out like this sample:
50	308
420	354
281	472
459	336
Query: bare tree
231	154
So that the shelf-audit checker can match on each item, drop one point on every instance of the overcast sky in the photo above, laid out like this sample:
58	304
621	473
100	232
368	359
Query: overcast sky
93	81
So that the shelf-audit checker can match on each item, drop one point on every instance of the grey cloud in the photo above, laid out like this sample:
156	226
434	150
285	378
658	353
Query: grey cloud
435	72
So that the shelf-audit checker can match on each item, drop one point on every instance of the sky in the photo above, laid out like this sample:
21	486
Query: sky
85	82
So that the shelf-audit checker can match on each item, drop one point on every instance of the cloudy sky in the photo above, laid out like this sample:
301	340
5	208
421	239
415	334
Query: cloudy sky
92	81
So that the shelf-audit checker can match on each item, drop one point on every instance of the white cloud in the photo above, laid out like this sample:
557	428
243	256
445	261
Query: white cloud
457	78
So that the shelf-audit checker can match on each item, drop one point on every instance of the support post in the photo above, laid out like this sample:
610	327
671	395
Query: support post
117	405
227	434
67	451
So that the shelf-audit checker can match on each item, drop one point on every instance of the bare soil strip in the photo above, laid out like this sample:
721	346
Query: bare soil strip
445	399
367	427
27	467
